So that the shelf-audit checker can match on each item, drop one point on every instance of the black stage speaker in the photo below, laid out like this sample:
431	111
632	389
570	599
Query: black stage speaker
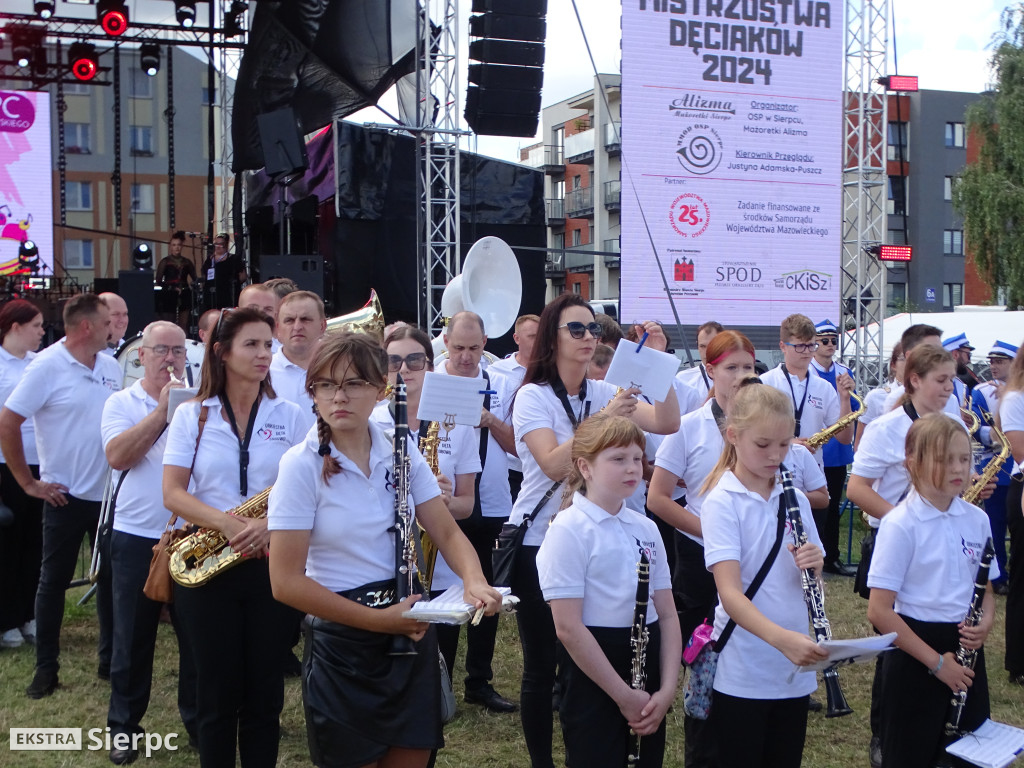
306	271
136	288
284	151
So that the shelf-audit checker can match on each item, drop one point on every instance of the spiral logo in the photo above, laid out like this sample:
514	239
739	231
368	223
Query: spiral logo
699	149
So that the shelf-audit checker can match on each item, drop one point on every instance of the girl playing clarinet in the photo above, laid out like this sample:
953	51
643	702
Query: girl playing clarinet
587	568
922	578
332	518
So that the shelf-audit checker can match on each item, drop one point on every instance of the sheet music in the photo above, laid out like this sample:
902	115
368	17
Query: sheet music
650	370
992	745
450	608
844	652
176	397
451	399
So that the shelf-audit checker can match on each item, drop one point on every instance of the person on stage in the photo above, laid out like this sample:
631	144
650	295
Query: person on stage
175	275
224	274
922	579
223	448
332	517
554	399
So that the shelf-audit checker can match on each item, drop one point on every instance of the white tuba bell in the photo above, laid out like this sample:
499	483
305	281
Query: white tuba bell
490	285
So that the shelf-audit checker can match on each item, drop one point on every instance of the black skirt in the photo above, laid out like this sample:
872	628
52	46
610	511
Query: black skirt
593	728
360	701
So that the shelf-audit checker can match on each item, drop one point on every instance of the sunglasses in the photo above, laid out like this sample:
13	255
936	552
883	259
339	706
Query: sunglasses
417	361
576	330
829	341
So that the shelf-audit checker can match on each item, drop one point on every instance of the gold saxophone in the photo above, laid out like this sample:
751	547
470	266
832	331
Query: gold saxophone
429	446
994	464
200	556
818	439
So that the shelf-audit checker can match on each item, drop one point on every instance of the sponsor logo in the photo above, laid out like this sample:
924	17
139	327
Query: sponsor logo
17	113
695	105
682	270
699	149
739	274
689	215
804	280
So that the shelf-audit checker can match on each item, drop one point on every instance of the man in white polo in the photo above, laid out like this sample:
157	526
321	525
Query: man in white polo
300	327
513	368
64	389
118	320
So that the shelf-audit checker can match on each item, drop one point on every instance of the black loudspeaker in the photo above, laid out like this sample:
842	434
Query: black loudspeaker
306	271
136	288
504	95
284	151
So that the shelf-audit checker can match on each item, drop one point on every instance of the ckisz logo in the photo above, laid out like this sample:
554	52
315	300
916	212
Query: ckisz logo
689	215
699	149
682	270
804	280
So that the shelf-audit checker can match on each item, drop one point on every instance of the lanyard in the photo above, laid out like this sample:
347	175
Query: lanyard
243	442
911	411
719	414
798	409
563	396
704	375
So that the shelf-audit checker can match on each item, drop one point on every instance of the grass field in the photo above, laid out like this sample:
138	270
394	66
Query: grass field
476	739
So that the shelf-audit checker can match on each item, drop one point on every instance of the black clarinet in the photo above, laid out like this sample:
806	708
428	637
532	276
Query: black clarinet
815	599
638	638
966	657
405	547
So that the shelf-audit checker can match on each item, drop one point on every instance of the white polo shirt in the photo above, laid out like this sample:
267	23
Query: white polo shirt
140	507
66	400
537	407
740	525
513	371
11	370
875	402
696	378
277	428
930	557
820	406
1011	411
289	382
952	406
350	519
690	399
591	554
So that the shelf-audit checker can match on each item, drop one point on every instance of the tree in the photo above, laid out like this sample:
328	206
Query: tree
990	192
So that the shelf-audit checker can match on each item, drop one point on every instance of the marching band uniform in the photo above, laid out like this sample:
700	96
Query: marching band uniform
815	402
290	383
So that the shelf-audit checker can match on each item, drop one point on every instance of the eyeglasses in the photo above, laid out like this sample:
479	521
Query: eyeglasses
829	341
220	320
162	349
576	330
809	347
417	361
326	390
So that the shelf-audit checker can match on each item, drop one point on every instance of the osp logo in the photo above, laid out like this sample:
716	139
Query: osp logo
804	280
689	215
682	270
699	149
17	113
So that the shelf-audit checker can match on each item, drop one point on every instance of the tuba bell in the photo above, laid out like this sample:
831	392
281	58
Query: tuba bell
367	319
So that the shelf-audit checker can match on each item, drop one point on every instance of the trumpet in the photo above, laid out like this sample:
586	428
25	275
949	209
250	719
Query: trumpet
818	439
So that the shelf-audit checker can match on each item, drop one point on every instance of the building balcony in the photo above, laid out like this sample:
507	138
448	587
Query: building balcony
554	264
613	138
548	158
613	195
555	209
579	148
580	258
611	246
579	203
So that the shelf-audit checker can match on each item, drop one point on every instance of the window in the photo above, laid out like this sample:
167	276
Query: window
955	135
206	97
953	242
78	254
141	140
947	188
76	138
558	189
558	136
897	237
896	296
577	237
897	141
78	195
140	85
558	241
577	182
142	198
577	288
897	204
952	295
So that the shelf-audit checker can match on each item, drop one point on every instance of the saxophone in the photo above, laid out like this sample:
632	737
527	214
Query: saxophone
818	439
200	556
429	445
994	464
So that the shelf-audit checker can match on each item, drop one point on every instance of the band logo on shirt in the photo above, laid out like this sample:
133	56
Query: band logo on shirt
972	549
815	402
271	433
649	548
114	385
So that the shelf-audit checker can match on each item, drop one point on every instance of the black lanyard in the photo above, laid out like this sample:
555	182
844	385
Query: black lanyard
719	414
243	441
911	411
563	396
798	409
704	375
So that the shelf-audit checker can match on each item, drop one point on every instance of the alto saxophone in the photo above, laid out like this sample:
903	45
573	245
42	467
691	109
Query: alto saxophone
818	439
994	464
200	556
429	446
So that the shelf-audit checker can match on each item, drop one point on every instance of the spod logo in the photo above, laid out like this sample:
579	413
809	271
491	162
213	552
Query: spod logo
682	270
689	215
699	149
804	280
17	114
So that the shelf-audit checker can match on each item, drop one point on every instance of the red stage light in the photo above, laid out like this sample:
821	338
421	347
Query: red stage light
84	64
902	83
113	17
895	253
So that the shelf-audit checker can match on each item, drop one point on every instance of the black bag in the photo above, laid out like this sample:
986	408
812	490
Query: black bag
509	541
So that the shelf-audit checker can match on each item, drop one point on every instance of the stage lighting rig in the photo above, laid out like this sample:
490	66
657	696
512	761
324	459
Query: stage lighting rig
142	257
25	41
233	18
28	256
185	13
44	9
84	62
112	16
149	58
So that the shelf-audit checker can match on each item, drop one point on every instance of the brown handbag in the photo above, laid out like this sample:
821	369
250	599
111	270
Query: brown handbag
159	586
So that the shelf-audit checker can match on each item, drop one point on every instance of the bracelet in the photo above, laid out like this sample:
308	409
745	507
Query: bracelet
938	666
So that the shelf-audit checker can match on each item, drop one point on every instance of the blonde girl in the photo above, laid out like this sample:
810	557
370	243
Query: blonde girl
587	568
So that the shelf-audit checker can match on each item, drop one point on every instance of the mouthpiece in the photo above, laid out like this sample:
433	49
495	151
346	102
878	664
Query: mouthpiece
174	379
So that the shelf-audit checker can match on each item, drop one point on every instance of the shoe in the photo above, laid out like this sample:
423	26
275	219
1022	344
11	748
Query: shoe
1000	587
875	752
42	685
123	756
28	631
12	638
837	568
103	672
813	705
1016	679
491	700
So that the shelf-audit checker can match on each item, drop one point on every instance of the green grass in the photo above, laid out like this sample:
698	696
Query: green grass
476	739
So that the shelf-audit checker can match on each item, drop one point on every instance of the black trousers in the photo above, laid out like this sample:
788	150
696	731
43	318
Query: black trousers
748	733
238	634
827	520
63	531
481	532
136	620
515	482
1014	659
21	552
537	636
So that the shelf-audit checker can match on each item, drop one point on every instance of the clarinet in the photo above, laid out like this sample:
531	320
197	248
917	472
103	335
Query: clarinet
815	599
638	638
405	547
966	657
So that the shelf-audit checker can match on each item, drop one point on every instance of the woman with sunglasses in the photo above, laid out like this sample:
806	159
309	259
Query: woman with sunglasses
228	443
554	399
332	516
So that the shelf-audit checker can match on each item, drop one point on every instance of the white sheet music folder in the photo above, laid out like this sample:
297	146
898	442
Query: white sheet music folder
992	745
450	608
452	399
650	370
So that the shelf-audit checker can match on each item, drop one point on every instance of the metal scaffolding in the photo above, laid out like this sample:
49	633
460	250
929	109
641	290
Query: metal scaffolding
865	120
